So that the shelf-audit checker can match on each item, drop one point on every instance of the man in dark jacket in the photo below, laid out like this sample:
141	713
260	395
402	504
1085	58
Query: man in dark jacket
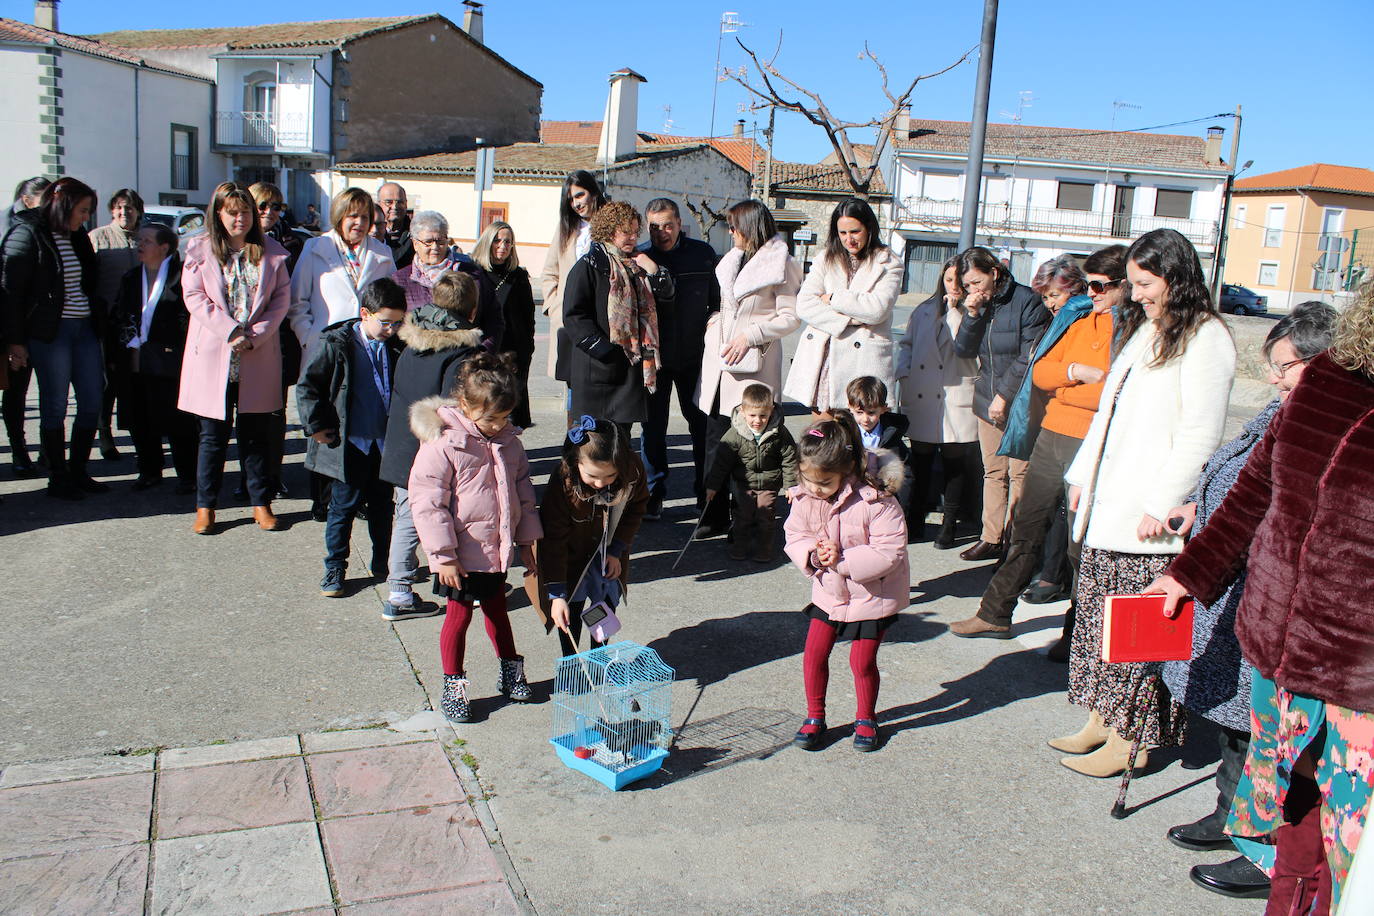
439	338
1003	319
682	334
343	397
391	197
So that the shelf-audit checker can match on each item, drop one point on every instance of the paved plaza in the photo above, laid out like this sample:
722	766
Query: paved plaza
187	727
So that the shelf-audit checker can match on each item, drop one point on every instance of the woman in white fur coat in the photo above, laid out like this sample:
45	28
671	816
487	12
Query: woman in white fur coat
846	303
759	280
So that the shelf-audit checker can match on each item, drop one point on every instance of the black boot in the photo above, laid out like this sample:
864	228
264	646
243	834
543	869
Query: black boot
107	443
1059	652
82	440
945	539
19	451
53	442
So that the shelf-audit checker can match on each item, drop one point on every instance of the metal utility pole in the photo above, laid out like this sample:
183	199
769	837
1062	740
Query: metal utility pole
729	22
978	128
1219	262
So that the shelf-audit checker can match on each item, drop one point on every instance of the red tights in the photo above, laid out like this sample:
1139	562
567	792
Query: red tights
453	637
863	661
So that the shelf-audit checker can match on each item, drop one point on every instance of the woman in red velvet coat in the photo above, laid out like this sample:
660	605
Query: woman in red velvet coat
1301	518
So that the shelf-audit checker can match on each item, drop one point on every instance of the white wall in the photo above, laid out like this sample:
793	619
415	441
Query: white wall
165	100
20	154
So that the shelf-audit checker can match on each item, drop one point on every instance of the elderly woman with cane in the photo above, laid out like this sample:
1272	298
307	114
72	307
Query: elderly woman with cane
1298	519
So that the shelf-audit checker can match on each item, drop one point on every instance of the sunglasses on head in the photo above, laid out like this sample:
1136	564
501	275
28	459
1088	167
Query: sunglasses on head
1098	287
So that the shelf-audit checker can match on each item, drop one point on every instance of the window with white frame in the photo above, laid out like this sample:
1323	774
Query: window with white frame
1074	195
1173	203
1241	212
1268	274
1273	226
936	185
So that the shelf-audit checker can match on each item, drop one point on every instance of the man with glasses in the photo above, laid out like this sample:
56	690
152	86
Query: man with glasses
391	197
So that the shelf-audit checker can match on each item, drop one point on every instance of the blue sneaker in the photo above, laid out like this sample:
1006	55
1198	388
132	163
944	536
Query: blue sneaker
413	607
332	585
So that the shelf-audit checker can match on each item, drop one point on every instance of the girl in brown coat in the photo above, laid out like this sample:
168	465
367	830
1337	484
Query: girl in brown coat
591	511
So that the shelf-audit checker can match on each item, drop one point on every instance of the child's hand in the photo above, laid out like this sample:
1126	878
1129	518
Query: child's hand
450	574
527	560
559	611
828	553
613	567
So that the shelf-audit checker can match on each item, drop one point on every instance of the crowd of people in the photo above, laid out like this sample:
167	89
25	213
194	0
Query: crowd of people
1092	400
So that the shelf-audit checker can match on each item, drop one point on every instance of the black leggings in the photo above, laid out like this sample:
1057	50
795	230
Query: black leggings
958	462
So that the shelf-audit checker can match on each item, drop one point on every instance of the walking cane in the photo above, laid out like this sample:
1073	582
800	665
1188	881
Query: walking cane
1119	809
691	537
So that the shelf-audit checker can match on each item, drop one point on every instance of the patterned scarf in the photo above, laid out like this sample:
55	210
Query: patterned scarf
632	314
350	258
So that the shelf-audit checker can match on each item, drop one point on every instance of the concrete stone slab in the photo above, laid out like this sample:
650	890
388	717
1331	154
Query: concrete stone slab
353	738
493	899
264	870
232	796
68	816
383	779
32	774
257	749
106	881
406	852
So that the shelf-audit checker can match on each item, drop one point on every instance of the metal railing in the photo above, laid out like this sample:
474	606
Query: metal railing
263	130
1006	219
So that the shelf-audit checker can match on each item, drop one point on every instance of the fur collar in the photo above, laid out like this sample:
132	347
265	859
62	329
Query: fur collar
890	471
768	267
871	270
434	417
424	339
741	426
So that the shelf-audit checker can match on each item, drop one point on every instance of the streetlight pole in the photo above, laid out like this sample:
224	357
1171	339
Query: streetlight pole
978	128
728	23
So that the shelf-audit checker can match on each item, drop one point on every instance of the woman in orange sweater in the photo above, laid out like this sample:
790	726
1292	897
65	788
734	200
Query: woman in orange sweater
1070	376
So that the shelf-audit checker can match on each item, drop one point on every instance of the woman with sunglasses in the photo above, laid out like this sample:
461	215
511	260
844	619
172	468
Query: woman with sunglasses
1064	385
237	291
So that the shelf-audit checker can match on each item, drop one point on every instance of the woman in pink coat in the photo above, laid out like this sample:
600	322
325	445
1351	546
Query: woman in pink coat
847	533
473	504
237	289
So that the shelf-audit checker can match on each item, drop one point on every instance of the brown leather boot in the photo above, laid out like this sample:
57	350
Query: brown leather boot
977	627
265	519
205	521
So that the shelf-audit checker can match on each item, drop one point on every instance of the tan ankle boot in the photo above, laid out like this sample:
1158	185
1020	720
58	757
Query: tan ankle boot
1108	760
205	521
1088	738
265	519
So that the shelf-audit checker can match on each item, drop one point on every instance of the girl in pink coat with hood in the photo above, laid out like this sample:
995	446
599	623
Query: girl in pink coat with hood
473	504
847	533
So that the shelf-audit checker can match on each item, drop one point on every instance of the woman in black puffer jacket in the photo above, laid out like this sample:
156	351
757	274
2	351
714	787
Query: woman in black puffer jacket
55	320
1003	319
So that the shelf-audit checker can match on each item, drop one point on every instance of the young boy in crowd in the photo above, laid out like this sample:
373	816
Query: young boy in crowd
759	457
343	397
880	427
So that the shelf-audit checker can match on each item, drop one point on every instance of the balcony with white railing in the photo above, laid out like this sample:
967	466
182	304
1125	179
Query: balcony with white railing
1006	219
287	132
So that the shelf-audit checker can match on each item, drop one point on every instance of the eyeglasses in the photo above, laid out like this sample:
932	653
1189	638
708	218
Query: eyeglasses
1098	287
430	243
272	207
390	325
1282	368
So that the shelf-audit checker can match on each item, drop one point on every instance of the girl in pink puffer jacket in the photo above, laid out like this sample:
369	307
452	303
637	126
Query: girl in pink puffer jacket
473	504
847	533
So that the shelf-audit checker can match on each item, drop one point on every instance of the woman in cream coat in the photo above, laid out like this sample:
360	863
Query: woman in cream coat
582	197
1162	414
758	280
936	389
846	303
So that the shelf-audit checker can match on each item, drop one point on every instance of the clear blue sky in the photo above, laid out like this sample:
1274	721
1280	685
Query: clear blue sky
1294	68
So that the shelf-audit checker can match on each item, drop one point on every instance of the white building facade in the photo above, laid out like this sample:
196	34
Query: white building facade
1049	191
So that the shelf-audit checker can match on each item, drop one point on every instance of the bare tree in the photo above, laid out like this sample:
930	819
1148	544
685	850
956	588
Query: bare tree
776	88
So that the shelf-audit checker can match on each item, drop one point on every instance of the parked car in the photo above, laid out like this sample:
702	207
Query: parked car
1237	300
187	221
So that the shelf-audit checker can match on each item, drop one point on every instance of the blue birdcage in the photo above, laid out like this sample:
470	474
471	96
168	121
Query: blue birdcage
611	711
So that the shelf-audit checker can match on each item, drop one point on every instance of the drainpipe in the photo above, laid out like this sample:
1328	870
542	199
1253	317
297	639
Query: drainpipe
138	159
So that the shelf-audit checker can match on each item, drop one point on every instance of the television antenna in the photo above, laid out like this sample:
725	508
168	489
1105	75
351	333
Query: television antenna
667	119
1117	106
1026	97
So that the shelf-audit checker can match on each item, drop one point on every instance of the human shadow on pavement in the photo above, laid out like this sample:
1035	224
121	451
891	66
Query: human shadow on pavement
714	649
968	582
1003	680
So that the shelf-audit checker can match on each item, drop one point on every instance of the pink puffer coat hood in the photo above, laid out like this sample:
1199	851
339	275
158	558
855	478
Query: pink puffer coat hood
471	496
873	577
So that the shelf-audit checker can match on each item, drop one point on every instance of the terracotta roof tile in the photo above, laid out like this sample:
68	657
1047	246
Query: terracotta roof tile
742	151
1319	176
798	176
1064	144
277	35
14	30
518	160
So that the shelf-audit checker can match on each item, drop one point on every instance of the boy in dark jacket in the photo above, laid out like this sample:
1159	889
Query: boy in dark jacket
343	397
881	428
439	338
759	457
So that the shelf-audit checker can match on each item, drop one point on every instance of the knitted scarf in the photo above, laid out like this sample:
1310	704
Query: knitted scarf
632	314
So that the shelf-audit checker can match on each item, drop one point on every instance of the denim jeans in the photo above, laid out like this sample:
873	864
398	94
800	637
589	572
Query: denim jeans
404	541
361	487
71	360
653	437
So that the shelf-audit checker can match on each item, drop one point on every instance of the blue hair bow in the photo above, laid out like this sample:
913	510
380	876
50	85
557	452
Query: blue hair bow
578	434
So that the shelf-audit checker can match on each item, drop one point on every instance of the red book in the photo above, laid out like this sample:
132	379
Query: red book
1134	629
